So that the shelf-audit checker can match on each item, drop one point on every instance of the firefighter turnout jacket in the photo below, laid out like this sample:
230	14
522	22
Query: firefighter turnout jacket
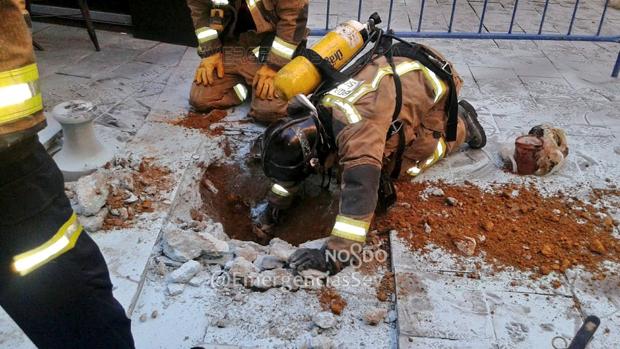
219	21
21	106
361	111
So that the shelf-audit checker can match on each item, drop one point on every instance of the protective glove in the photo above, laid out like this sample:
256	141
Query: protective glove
309	258
263	82
328	257
204	73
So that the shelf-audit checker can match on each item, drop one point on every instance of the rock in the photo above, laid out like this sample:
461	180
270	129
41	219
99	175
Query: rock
143	318
314	244
547	250
451	201
487	225
248	253
199	279
434	191
92	192
154	314
185	272
597	247
175	289
265	262
94	223
316	342
313	274
466	245
427	228
375	316
132	198
217	230
123	212
241	268
324	319
181	245
271	278
184	245
280	249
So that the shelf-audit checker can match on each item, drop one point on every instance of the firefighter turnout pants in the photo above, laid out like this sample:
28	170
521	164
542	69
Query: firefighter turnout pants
61	297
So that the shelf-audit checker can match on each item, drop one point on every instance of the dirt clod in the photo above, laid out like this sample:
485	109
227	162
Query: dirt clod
386	287
202	122
331	300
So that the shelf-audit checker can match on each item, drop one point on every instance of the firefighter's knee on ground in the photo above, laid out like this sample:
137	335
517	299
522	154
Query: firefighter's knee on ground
207	97
268	111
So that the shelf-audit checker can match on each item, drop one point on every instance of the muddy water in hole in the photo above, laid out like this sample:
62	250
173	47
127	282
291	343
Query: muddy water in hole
242	186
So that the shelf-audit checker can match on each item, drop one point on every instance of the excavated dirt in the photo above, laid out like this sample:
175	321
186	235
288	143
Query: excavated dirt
511	225
202	121
331	300
386	287
148	181
230	191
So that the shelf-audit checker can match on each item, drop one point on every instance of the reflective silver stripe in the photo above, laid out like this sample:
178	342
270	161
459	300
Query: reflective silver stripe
351	229
220	3
438	154
241	91
280	190
282	48
205	34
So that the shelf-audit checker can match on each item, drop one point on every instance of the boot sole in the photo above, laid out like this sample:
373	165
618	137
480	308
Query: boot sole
473	116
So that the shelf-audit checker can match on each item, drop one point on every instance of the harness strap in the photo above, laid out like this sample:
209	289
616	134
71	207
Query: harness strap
396	126
327	71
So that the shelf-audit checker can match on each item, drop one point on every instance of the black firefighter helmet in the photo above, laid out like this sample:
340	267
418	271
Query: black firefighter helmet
294	147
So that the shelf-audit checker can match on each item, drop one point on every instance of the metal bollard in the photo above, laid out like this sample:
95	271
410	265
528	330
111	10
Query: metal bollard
81	152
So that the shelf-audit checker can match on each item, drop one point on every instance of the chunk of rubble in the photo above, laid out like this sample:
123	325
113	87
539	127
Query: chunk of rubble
315	244
271	278
375	315
92	193
212	244
280	249
266	262
199	279
241	268
466	244
324	319
185	272
175	289
217	230
180	245
94	223
248	253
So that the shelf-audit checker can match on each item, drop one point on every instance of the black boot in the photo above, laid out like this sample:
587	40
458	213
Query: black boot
476	138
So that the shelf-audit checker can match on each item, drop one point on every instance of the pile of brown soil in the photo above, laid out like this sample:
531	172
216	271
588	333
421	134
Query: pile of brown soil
513	225
202	122
331	300
386	287
146	176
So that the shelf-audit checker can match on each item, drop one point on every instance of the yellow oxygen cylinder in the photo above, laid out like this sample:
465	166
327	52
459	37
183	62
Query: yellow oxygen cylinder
338	47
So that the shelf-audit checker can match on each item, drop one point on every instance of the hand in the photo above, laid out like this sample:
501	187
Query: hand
204	73
308	258
263	82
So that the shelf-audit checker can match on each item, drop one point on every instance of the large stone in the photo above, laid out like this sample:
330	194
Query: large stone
241	268
183	245
324	319
265	262
94	223
247	252
280	249
271	278
92	193
217	230
185	272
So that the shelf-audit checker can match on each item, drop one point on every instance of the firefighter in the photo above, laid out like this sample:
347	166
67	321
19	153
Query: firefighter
395	117
54	282
243	43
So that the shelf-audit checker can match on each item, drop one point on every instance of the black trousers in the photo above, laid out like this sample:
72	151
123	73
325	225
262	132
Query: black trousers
68	302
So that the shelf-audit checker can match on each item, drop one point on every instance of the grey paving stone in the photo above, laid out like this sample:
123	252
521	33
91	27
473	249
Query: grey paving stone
163	54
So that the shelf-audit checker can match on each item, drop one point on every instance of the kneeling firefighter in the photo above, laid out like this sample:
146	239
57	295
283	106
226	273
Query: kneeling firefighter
242	44
393	112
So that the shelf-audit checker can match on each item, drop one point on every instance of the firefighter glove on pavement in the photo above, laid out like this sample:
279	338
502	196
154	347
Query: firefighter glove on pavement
208	67
309	258
263	82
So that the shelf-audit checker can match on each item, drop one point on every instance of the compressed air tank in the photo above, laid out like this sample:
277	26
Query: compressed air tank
338	47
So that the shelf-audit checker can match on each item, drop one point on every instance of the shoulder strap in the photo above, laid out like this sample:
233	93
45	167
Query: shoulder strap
396	126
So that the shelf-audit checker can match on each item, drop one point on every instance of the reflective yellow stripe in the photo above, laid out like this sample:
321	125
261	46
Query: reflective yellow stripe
220	3
19	93
349	111
252	3
205	34
280	190
350	229
438	154
346	104
282	48
241	91
60	243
